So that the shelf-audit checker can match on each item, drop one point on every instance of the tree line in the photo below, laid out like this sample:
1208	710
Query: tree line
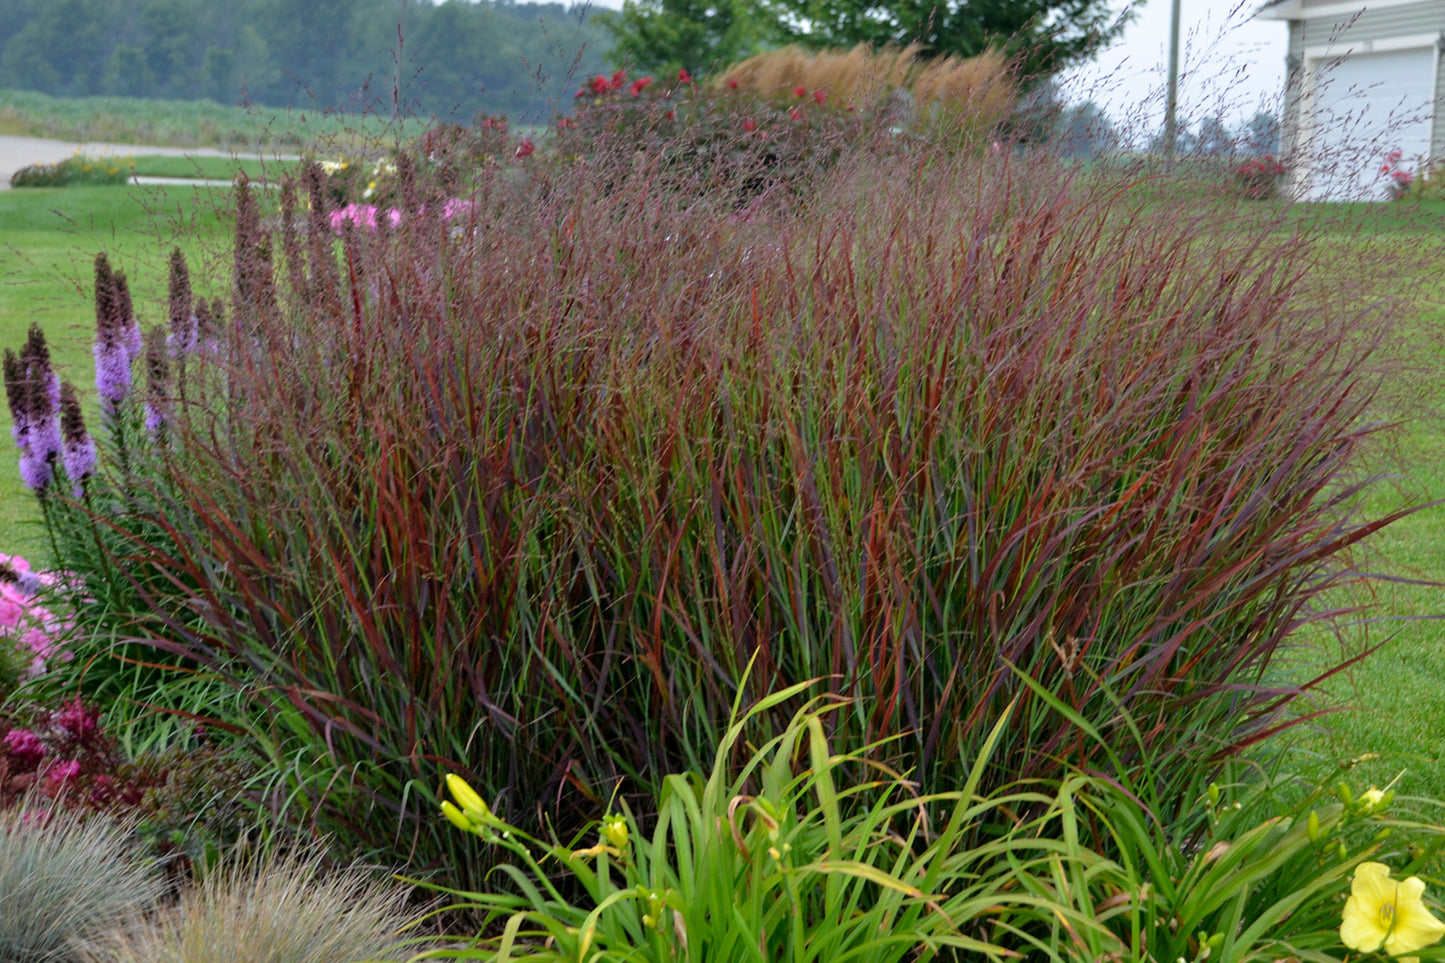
450	59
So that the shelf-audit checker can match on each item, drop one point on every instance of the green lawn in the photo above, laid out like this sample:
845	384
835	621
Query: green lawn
50	237
209	168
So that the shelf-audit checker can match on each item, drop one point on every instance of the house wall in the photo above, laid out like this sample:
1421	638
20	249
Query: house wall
1343	26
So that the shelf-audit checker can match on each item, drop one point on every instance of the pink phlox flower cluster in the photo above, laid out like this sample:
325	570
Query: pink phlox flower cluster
362	215
366	215
25	622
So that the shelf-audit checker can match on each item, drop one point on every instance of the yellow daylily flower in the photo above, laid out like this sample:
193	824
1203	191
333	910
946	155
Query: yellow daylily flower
1387	914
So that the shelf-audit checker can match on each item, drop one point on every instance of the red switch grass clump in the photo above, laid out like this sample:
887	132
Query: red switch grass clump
520	493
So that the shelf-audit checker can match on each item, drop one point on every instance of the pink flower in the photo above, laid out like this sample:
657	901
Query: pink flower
800	92
732	83
25	746
526	147
62	773
13	607
455	207
638	85
820	97
618	79
80	721
599	85
683	77
795	112
750	125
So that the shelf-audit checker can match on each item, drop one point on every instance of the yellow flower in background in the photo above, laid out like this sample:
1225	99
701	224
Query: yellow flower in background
1387	914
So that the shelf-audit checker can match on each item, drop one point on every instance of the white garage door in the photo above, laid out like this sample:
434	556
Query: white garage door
1364	107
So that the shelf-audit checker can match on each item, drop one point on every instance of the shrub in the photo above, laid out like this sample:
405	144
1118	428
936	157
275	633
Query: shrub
62	879
974	94
555	471
270	909
1258	178
73	171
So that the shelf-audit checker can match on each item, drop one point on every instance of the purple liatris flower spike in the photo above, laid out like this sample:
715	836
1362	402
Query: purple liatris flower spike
112	372
78	457
158	381
125	317
15	396
35	472
42	391
182	337
112	360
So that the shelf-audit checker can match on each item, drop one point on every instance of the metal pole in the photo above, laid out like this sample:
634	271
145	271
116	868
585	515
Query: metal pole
1171	95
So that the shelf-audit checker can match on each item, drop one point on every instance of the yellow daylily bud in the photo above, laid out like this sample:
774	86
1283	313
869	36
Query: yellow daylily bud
614	831
468	799
454	815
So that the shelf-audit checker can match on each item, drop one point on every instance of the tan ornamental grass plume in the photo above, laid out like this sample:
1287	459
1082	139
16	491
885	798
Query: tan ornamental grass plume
268	909
977	88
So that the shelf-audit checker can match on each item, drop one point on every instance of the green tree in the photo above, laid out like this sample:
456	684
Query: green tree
127	74
665	36
1045	36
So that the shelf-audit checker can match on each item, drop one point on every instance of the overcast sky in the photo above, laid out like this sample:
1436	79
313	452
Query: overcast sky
1230	63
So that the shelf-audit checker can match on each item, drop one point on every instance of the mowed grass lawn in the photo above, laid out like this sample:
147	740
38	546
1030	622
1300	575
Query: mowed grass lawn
1394	701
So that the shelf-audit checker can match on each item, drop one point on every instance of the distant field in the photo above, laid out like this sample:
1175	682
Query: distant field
189	123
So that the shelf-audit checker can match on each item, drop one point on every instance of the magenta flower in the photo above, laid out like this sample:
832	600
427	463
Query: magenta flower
61	774
25	747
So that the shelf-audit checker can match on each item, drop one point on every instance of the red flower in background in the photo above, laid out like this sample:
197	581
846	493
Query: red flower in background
800	92
526	147
750	125
599	85
732	83
683	77
618	79
820	97
639	84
